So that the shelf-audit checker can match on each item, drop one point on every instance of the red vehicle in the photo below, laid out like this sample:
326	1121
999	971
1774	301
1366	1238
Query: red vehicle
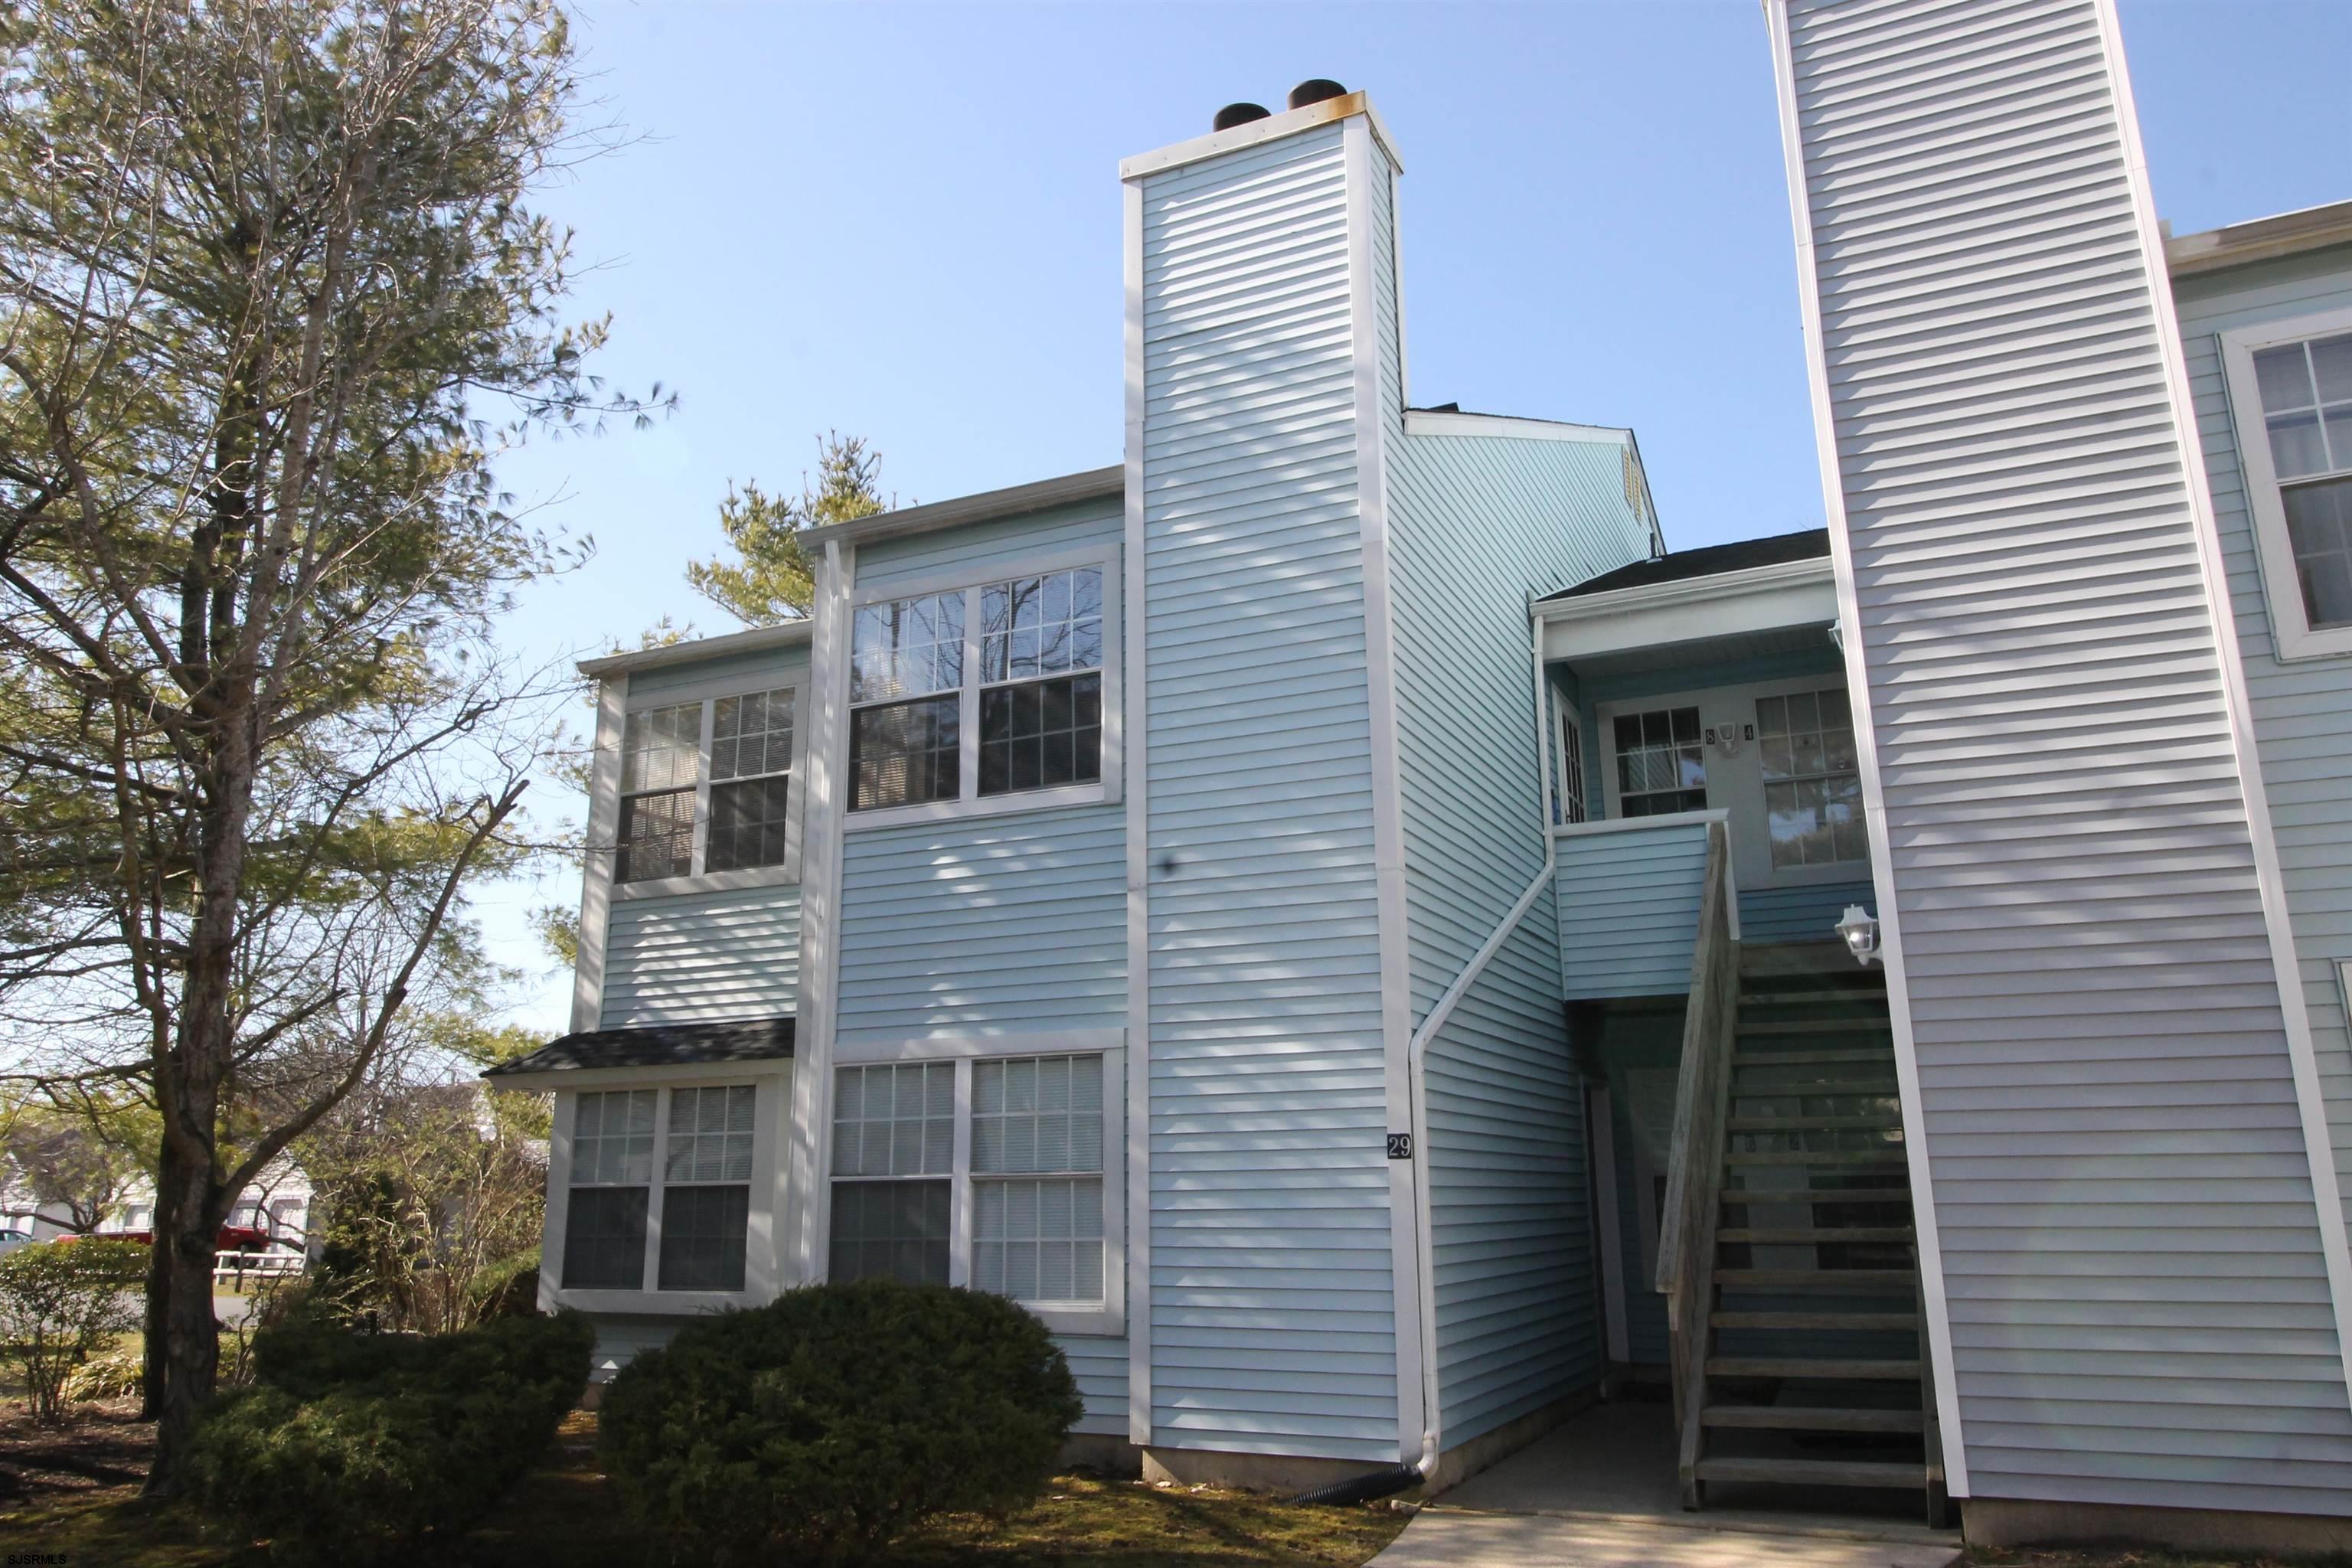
232	1238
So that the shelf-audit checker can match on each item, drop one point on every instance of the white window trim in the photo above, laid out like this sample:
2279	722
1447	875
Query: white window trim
771	1103
1110	1318
968	801
708	694
2292	634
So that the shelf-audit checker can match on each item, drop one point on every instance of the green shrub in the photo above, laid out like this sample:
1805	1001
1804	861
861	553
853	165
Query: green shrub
355	1446
115	1372
832	1419
60	1302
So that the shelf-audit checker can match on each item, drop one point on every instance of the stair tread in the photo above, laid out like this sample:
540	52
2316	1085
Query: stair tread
1812	1418
1892	1155
1805	1058
1888	1321
1885	1281
1813	1124
1745	1196
1814	1472
1890	1368
1798	1233
1814	998
1813	1026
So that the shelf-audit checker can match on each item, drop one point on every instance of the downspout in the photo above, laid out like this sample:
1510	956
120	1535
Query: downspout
1424	1267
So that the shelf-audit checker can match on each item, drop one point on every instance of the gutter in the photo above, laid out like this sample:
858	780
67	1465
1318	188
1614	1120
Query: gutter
1416	1055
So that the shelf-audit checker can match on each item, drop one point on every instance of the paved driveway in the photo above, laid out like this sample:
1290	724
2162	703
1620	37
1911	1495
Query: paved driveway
1444	1537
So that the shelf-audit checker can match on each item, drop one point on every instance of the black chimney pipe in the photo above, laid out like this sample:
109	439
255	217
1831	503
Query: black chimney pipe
1315	90
1235	114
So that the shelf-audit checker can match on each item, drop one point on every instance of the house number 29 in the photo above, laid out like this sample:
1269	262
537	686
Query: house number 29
1399	1145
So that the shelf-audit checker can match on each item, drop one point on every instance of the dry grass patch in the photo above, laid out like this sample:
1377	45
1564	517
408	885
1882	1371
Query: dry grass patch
2136	1557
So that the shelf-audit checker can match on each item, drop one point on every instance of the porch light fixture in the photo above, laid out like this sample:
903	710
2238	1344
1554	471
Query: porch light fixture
1860	934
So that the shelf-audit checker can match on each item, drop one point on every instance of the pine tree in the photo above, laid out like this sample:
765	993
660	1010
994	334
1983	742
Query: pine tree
771	580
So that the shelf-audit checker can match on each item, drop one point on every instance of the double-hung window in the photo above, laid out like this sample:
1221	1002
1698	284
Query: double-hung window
1661	762
2290	392
989	1172
660	1187
990	695
1813	784
707	787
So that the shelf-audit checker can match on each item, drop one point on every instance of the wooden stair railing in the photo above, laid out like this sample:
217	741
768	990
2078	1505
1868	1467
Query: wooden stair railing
1688	1224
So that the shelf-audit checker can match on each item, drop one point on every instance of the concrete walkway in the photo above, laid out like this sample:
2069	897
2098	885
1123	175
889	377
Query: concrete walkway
1601	1492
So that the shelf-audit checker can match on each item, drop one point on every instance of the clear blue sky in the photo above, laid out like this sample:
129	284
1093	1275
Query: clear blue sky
903	221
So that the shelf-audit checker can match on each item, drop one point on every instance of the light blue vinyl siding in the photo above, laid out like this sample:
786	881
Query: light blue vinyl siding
790	667
702	957
981	552
1273	1302
991	923
1479	526
2302	710
1099	1364
1805	913
1629	909
1001	923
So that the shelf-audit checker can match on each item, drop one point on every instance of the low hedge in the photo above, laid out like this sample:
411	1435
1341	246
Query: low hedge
829	1421
355	1447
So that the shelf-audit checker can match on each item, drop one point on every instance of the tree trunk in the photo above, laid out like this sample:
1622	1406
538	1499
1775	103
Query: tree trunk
191	1334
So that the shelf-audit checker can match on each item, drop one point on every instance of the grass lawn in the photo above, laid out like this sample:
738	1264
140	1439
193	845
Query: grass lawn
76	1493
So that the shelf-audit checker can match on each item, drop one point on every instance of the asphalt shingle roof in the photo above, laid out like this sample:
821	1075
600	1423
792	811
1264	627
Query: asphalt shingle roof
668	1045
1708	560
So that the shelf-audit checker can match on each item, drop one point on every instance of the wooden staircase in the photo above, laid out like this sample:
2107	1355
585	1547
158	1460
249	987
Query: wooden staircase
1800	1346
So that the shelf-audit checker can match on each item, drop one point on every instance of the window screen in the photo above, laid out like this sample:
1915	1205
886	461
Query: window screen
1040	712
891	1230
661	761
750	779
612	1172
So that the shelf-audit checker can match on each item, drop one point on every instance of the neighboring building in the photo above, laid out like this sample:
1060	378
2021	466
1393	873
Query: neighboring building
278	1203
1337	919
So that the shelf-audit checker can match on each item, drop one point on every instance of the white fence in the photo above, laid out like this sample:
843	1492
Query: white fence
239	1267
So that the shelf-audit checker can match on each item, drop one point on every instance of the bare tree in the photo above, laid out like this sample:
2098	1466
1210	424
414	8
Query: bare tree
272	300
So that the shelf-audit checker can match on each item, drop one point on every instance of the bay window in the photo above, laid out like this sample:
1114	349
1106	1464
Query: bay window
659	1187
706	786
2290	392
986	695
989	1172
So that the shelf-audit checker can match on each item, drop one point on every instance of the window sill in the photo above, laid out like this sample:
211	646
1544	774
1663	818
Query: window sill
1829	871
785	874
2297	646
982	805
1082	1320
655	1303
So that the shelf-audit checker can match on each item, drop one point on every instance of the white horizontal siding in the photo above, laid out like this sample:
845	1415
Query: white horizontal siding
703	957
2068	841
1628	903
1271	1301
2302	711
987	924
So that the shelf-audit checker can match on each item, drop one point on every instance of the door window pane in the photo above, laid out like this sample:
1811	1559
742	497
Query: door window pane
891	1230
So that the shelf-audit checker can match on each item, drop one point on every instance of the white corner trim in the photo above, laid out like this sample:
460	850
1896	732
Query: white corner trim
2302	1057
603	834
2292	637
1410	1268
1508	427
1873	793
825	755
1272	128
1136	741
